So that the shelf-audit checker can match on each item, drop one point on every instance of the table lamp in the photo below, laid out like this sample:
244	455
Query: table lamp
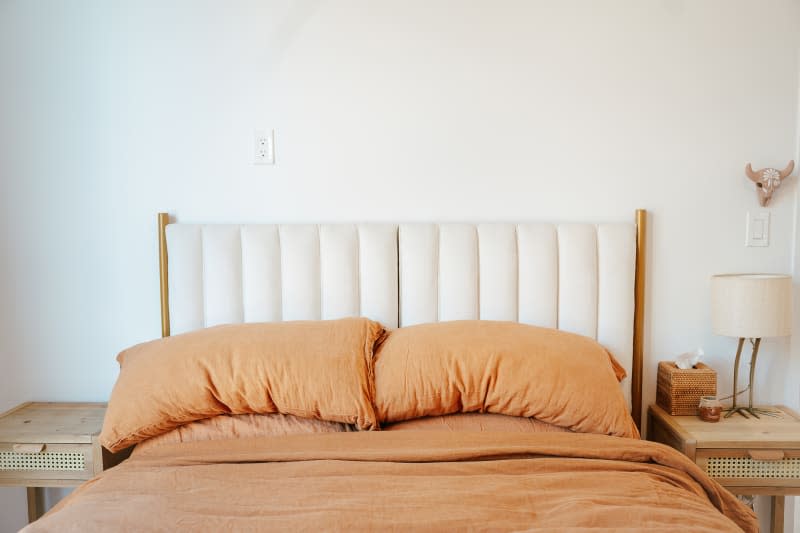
750	306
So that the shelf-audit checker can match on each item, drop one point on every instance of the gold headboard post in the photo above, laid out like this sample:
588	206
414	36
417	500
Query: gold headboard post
163	220
638	317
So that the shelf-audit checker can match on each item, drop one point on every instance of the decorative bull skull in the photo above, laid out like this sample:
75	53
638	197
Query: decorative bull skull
767	180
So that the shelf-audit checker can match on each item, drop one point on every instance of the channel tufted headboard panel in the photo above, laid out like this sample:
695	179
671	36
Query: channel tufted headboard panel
575	277
221	274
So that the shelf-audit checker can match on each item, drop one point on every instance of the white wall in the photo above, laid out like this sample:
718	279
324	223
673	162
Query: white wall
412	110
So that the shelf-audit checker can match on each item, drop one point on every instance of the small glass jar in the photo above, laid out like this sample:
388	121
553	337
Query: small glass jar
709	409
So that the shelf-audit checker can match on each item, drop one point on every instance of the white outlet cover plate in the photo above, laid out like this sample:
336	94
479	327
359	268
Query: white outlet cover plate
757	232
264	147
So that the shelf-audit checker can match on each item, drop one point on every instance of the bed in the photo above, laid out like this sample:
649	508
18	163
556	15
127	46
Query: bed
493	383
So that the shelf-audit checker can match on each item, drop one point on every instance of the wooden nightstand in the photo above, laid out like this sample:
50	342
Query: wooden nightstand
746	456
52	445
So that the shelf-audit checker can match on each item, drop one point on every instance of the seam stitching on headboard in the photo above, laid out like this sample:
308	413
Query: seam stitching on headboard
203	275
399	276
321	271
478	258
241	269
280	269
360	309
597	281
558	275
438	272
516	244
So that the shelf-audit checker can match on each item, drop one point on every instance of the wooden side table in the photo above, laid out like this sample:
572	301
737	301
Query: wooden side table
52	445
746	456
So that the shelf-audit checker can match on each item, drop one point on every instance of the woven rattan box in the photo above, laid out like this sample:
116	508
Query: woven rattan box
679	390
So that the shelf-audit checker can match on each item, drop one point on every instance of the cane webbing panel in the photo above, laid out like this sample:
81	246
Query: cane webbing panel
745	467
42	461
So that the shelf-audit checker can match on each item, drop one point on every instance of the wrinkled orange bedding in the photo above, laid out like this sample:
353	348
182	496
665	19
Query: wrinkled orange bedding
403	480
318	369
500	367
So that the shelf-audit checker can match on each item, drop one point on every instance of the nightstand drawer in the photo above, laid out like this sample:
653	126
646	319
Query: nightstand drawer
749	468
35	461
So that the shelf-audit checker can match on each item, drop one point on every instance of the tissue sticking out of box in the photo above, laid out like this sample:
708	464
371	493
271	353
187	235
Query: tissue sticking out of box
689	359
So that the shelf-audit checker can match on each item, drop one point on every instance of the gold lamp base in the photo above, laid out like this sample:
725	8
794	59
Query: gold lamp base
747	412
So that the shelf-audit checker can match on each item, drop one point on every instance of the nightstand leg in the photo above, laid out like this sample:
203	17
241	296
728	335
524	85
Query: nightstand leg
776	516
35	503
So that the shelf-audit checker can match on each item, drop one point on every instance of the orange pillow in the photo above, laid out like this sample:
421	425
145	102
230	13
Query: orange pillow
320	369
223	427
500	367
476	422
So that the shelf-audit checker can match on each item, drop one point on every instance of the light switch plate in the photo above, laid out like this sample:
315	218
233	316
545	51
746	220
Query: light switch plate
757	229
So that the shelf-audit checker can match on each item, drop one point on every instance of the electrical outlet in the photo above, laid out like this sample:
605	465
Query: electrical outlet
264	147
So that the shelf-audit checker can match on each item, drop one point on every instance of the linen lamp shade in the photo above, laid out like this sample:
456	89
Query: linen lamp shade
751	305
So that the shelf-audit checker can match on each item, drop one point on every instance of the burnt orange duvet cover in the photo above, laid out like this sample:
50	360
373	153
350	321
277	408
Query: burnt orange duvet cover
403	480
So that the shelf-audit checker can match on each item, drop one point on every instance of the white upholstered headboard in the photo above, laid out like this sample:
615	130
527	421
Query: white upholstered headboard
575	277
